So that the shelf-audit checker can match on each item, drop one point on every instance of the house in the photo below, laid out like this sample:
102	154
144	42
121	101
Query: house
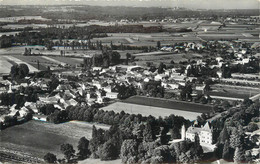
32	106
205	134
49	100
170	85
100	100
97	84
58	106
14	113
72	102
23	111
159	77
108	89
112	95
97	68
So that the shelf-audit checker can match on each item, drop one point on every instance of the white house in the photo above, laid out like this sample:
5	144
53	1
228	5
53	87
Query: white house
97	84
159	77
23	111
107	89
205	134
112	95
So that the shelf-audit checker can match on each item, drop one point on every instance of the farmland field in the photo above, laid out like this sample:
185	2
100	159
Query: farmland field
147	110
146	39
36	138
68	60
170	104
5	66
233	91
164	57
18	61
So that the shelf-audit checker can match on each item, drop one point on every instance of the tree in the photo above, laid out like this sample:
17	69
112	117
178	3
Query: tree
148	133
239	155
114	57
247	102
226	72
226	154
164	139
129	151
158	45
224	136
235	139
5	99
161	68
162	153
128	56
196	150
83	148
19	71
50	158
53	84
108	151
97	140
68	151
169	95
47	109
252	127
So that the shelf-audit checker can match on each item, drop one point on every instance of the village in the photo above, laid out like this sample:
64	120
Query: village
168	95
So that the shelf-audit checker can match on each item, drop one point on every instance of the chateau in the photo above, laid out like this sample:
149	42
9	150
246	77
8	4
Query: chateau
205	134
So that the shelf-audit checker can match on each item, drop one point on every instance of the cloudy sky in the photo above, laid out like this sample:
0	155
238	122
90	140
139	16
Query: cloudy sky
194	4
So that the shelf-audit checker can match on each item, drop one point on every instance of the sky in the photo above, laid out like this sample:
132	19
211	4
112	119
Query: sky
191	4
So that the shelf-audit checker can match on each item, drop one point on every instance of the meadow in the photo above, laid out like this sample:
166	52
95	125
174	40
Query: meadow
36	138
147	110
169	103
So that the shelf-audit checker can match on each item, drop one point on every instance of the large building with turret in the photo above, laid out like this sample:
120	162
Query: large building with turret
205	134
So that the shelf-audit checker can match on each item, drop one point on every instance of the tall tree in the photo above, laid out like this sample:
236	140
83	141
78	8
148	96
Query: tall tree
224	136
50	158
148	133
226	154
161	68
239	155
68	151
107	151
83	148
236	139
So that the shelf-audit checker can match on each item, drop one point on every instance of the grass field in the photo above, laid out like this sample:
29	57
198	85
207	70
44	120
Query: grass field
170	104
165	58
6	62
233	91
67	60
36	138
18	61
147	110
5	66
